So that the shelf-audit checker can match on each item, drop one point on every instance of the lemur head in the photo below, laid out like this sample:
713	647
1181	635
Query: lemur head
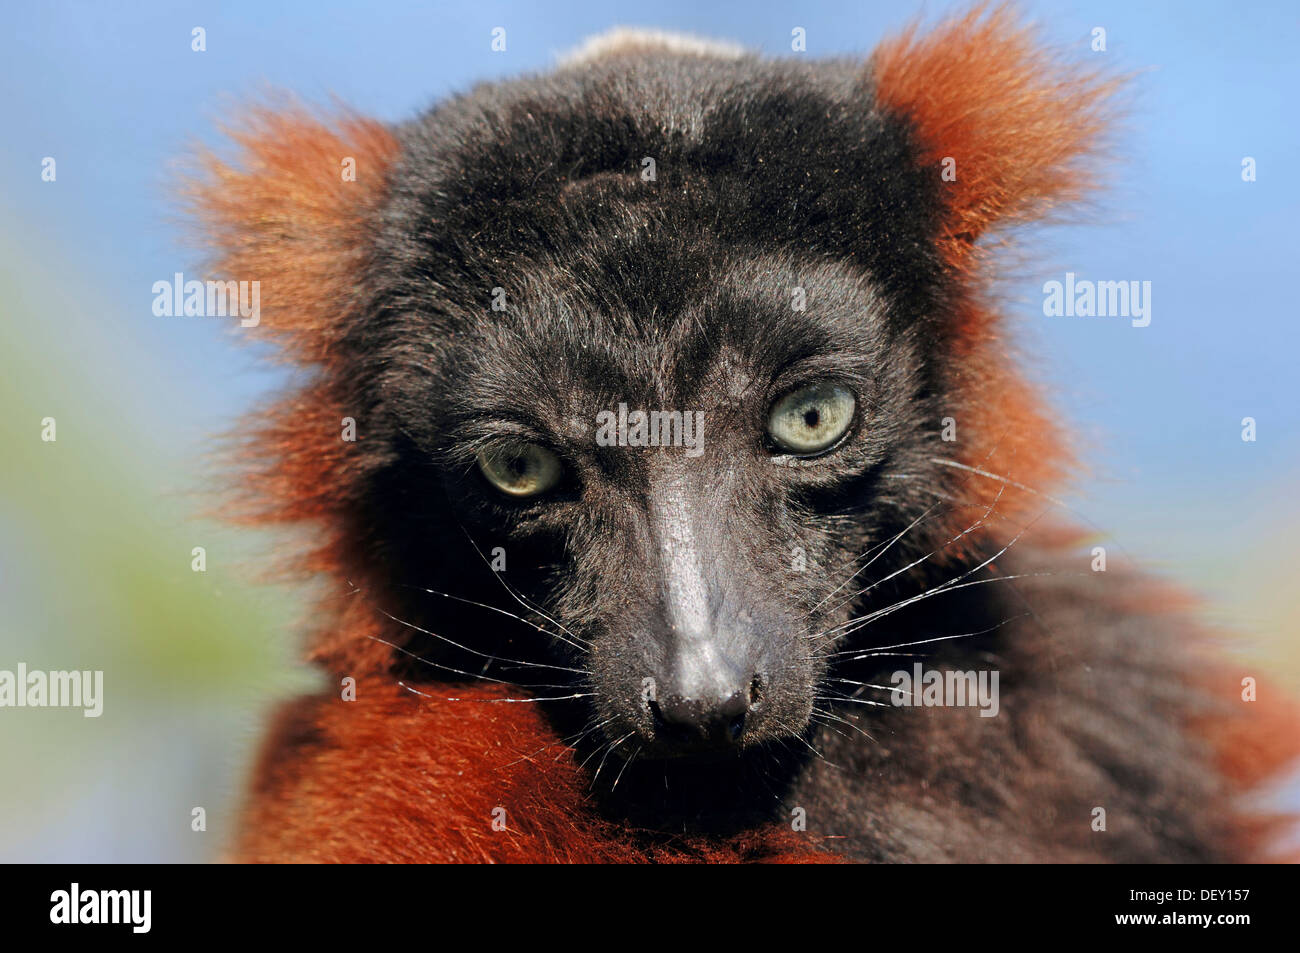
656	353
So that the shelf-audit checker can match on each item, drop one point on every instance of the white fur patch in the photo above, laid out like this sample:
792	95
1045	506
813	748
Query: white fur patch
624	39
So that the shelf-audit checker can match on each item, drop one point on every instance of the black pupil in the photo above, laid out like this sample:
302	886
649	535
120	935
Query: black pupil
811	417
517	466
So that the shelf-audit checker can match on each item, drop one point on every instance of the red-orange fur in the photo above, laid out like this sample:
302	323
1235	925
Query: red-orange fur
1254	743
393	776
1022	128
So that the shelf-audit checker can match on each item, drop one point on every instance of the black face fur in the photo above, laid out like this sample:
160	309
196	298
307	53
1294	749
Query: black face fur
719	577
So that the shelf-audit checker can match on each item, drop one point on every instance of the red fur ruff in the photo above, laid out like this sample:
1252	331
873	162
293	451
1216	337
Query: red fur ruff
396	777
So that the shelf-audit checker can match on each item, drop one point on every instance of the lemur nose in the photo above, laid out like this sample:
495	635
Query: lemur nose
704	722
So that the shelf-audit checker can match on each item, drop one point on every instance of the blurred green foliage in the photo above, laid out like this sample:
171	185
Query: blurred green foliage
97	531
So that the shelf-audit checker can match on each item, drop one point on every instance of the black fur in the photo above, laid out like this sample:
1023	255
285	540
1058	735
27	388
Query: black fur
676	294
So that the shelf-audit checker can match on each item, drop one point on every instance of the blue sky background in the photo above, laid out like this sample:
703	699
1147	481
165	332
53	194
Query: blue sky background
115	94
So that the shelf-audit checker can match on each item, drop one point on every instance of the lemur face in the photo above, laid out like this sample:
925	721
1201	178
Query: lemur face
693	462
682	407
673	337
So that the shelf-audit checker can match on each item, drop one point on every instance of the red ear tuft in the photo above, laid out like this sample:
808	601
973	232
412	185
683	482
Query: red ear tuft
288	214
294	210
1019	125
1010	129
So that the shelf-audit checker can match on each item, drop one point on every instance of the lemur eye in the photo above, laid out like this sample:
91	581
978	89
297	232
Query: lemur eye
520	469
812	418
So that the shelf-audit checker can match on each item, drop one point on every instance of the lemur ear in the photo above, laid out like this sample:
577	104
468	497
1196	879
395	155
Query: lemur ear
1009	129
292	210
1007	126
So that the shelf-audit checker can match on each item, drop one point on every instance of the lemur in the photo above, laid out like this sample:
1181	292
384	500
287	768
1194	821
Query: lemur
558	647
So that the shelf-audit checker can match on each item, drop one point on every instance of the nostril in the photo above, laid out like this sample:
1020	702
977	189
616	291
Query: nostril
662	726
694	722
755	691
670	727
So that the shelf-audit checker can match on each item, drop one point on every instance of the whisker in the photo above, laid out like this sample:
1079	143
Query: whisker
861	685
910	526
850	698
843	721
517	597
466	648
798	736
492	608
890	610
564	744
608	751
857	654
882	552
450	698
968	530
944	461
949	586
624	768
448	668
573	739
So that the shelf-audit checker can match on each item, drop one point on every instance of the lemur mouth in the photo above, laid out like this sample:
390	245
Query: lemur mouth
687	728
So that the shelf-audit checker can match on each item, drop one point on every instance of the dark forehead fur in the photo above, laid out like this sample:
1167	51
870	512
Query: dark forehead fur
517	182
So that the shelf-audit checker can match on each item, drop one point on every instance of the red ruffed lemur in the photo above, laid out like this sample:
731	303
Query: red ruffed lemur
572	640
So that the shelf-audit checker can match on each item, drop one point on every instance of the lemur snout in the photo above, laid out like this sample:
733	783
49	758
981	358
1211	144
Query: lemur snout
708	719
